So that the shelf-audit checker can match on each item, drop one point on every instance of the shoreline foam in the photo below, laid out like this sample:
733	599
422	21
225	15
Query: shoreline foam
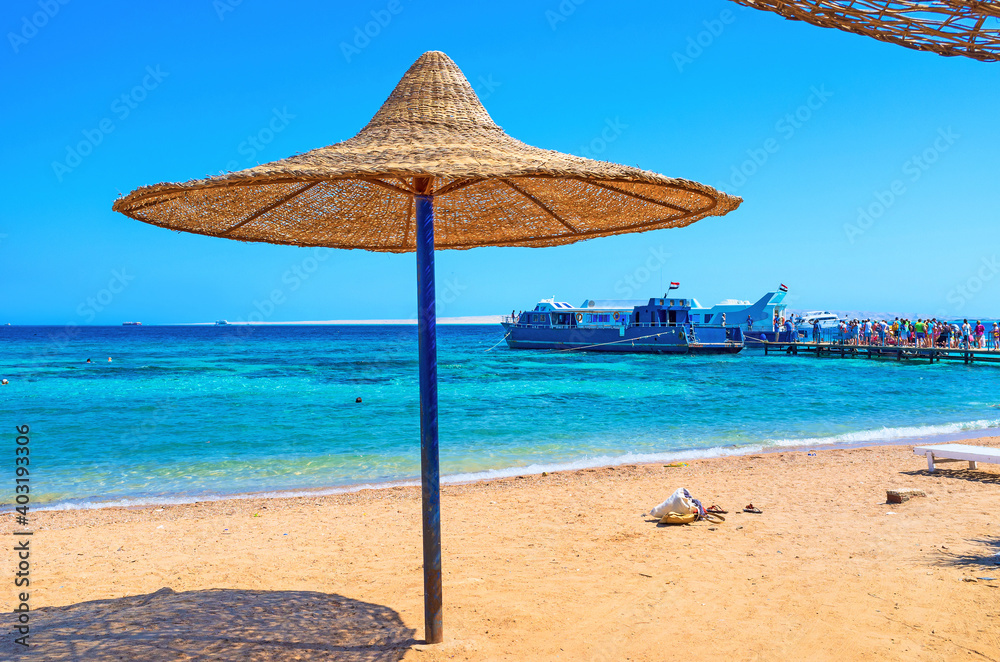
904	436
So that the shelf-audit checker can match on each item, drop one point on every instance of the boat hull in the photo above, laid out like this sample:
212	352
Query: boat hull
630	340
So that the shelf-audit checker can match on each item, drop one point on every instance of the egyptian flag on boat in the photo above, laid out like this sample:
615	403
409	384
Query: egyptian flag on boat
783	288
673	286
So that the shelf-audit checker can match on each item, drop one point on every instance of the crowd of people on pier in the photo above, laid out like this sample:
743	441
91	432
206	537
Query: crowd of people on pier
928	333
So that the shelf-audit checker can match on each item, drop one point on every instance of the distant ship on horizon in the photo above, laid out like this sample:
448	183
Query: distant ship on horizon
221	323
131	323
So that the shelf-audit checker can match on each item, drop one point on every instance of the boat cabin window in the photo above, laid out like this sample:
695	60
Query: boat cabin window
708	318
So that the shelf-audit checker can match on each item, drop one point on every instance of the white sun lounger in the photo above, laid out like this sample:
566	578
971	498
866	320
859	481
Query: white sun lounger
958	453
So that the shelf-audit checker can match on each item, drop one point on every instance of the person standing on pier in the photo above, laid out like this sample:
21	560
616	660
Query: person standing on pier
995	337
816	331
966	332
980	331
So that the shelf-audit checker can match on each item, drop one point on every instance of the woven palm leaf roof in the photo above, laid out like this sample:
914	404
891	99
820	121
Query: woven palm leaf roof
432	136
970	28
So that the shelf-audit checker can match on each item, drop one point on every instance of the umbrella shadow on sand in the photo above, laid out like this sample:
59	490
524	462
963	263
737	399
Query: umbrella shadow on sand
972	475
216	624
986	557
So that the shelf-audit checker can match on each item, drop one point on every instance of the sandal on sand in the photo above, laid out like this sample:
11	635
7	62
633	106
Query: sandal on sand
716	510
751	509
713	517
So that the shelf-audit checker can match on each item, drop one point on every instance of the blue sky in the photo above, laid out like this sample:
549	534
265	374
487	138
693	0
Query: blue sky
808	125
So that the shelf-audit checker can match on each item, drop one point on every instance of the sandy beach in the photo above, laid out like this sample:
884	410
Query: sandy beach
562	566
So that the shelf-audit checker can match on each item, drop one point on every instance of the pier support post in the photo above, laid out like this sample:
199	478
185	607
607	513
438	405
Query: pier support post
430	479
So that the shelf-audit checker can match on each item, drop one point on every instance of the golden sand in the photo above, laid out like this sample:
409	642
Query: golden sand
558	567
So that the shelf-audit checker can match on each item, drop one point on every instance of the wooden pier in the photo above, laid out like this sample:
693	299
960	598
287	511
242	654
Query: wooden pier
887	352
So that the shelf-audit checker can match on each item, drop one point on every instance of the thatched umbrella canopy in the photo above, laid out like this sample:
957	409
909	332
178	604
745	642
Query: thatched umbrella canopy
489	189
430	170
970	28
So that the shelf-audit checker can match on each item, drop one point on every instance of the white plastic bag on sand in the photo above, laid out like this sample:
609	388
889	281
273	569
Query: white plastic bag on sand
678	502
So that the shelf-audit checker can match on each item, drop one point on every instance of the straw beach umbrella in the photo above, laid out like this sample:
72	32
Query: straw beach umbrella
970	28
431	170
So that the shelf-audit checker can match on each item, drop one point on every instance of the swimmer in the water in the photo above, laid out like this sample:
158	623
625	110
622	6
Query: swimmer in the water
88	360
109	359
3	382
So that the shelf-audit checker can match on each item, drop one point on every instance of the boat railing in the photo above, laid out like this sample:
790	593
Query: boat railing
656	325
512	321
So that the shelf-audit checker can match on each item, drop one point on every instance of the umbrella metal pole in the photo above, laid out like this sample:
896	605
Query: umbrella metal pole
429	470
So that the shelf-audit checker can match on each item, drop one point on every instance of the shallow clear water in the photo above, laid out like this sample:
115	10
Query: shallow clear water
193	412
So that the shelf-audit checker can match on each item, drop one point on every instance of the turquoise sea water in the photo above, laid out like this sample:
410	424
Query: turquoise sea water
185	413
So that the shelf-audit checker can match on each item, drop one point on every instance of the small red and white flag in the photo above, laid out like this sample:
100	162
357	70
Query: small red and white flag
783	288
673	286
